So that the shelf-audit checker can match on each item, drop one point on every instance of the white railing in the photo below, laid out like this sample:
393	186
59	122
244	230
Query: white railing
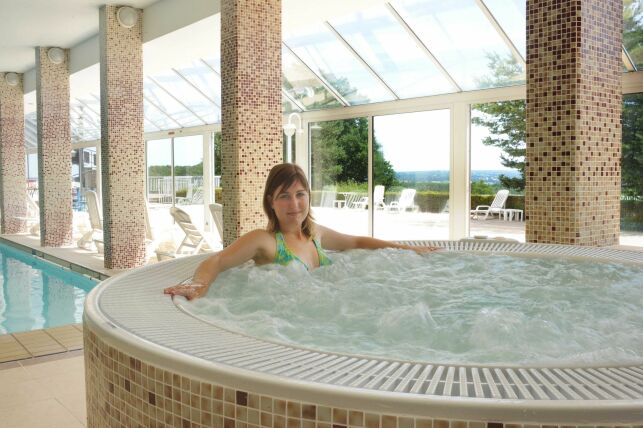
159	188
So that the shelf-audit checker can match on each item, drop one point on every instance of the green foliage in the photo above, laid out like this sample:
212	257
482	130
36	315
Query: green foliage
482	188
340	154
632	147
217	153
632	29
179	170
506	122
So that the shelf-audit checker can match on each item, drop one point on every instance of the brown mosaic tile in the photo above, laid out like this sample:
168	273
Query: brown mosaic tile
428	423
122	143
293	409
251	125
389	421
356	419
309	411
13	207
574	103
372	420
54	148
410	423
340	417
440	423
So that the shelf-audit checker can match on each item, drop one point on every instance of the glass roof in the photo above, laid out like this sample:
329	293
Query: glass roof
397	50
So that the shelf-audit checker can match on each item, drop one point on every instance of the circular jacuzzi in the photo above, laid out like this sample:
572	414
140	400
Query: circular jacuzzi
150	362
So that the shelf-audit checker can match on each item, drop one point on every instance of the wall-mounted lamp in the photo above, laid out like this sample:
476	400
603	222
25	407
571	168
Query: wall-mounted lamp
11	78
289	130
56	55
127	16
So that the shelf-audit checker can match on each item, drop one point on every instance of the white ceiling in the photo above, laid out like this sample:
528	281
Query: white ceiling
67	23
30	23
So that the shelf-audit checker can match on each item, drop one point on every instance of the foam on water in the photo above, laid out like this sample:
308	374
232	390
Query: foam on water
440	307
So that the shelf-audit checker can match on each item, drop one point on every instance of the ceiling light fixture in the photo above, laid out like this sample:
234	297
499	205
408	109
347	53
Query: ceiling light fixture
127	16
56	55
11	78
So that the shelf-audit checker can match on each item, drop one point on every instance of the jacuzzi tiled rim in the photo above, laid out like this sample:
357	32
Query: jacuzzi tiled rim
133	317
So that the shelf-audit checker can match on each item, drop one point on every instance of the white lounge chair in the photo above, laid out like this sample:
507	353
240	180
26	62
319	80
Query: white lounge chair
328	197
378	199
217	216
95	223
406	201
496	207
194	240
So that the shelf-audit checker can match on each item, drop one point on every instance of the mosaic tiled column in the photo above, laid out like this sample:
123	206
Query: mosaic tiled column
251	109
573	121
13	205
122	144
54	150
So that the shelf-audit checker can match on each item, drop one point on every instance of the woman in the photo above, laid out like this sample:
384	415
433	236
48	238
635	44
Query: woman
291	235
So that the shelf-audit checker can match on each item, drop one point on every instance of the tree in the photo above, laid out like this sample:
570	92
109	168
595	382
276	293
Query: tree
632	147
340	154
632	29
505	120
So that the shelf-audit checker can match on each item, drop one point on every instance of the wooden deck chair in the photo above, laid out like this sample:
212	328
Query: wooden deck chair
194	239
496	207
217	216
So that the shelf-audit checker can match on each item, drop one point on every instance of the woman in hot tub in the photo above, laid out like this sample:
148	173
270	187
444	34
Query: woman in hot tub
291	235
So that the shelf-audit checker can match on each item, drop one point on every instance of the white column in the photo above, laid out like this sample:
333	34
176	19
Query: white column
459	188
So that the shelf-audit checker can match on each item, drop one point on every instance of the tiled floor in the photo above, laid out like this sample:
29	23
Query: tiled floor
36	343
44	392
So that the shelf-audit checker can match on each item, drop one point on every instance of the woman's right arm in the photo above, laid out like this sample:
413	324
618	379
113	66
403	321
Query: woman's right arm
252	245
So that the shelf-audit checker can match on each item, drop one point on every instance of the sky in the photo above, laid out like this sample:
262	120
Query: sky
420	142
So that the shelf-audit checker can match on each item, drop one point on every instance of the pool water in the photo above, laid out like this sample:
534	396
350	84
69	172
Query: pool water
440	307
36	294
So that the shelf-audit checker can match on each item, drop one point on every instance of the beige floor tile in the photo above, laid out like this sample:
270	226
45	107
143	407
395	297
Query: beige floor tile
13	356
11	376
63	382
75	403
56	367
20	393
47	413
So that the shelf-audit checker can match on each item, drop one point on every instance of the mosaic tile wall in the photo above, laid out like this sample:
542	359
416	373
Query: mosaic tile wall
126	391
251	109
573	121
54	150
122	144
13	206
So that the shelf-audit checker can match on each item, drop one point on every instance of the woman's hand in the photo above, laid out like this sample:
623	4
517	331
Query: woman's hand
189	291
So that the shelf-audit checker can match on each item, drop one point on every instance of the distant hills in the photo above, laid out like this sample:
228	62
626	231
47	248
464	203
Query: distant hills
488	176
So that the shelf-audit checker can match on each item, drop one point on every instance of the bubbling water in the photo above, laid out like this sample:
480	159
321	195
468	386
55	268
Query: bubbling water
440	307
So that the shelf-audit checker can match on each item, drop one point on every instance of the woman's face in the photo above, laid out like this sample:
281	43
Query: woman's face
291	205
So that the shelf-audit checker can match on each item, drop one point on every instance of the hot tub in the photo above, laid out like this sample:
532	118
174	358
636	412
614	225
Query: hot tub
150	362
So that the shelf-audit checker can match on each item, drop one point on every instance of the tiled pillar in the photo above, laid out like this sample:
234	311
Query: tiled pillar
251	110
54	149
122	144
13	191
573	121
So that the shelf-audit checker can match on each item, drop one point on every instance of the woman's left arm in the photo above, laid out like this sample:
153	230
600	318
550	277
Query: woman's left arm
333	240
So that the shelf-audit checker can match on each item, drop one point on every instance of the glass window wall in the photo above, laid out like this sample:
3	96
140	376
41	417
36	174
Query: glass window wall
339	174
631	167
497	170
411	169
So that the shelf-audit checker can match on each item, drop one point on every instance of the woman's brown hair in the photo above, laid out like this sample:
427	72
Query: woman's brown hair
283	176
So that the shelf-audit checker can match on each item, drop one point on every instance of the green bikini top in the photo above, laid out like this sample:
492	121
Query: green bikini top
285	256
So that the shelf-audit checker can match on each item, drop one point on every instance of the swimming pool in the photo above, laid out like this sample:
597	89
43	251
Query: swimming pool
37	294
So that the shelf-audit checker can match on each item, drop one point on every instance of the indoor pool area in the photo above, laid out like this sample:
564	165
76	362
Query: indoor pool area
321	214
